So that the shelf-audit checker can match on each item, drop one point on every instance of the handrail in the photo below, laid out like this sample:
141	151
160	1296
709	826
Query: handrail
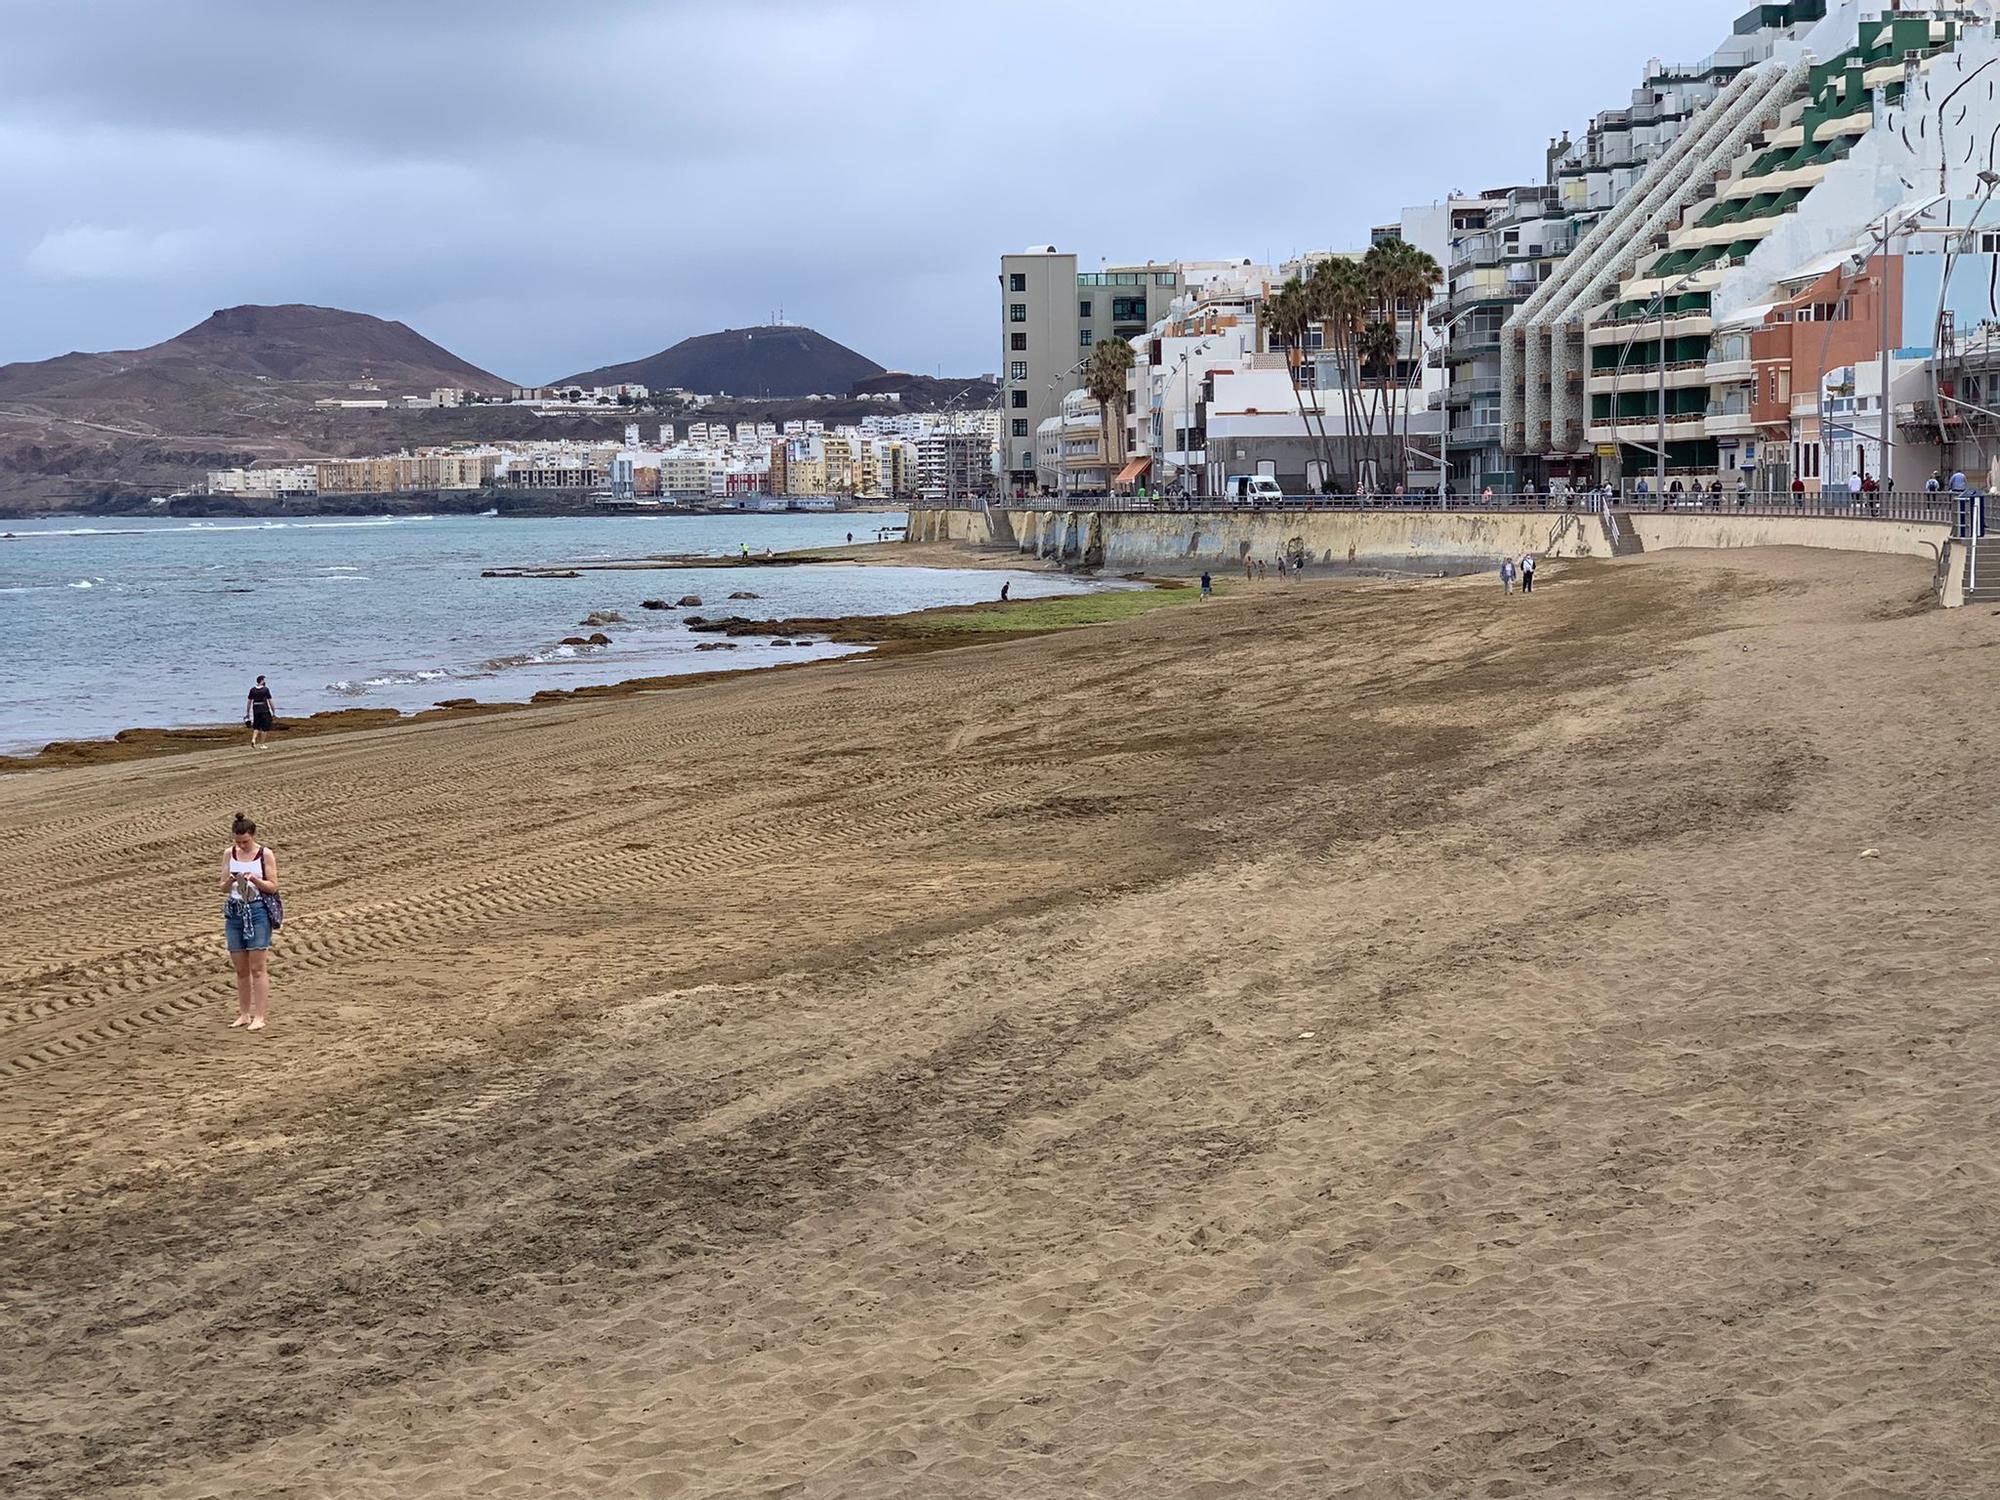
1840	505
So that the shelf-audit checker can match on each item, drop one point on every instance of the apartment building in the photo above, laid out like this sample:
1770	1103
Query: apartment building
1502	250
1807	164
1051	316
1589	180
954	465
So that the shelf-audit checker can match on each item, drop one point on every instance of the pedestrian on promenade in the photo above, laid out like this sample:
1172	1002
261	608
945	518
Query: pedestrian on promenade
1935	483
1207	586
1528	573
250	911
260	712
1642	490
1506	575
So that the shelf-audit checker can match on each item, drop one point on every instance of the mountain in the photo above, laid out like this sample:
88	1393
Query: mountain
238	387
782	362
293	344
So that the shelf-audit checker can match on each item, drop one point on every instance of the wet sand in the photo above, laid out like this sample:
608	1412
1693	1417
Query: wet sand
1371	1040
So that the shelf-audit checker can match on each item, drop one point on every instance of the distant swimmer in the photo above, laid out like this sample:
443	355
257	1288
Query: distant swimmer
260	712
250	910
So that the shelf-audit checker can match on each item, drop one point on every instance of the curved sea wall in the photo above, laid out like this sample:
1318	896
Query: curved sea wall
1659	533
1126	541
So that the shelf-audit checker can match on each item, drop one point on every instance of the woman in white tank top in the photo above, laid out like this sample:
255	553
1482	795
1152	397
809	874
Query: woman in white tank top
249	874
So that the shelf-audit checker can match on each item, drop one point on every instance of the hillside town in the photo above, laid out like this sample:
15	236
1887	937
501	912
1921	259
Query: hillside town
801	464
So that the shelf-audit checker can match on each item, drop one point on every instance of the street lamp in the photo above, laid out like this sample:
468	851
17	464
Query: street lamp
1618	377
1061	419
1184	368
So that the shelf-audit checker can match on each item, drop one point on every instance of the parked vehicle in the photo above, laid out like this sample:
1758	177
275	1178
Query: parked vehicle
1252	489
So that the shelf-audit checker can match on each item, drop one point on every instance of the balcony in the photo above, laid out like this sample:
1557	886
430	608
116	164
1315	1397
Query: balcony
1730	417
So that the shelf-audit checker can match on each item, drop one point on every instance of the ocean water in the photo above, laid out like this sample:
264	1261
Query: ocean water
109	624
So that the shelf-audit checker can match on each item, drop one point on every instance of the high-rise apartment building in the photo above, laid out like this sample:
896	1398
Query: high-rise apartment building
1587	181
1051	317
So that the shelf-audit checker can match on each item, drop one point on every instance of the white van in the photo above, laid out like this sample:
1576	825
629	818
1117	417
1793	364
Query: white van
1252	489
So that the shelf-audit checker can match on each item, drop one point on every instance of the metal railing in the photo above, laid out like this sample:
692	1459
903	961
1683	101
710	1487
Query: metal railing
1942	509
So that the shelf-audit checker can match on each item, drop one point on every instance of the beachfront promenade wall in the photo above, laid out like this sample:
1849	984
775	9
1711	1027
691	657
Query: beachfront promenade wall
1660	533
1123	541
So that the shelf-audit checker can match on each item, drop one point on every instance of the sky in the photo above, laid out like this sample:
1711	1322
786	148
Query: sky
544	188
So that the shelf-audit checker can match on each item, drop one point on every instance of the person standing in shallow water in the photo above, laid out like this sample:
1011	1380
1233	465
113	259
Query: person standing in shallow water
262	712
249	874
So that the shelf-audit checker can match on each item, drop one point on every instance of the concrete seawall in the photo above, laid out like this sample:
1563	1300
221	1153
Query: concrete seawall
1127	541
1693	529
1124	541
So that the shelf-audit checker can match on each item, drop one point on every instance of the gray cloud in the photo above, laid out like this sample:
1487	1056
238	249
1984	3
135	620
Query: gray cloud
544	188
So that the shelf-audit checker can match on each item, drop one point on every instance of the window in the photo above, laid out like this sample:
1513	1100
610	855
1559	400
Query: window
1083	339
1128	309
1083	309
1017	282
1018	370
1020	427
1163	278
1017	312
1020	400
1989	242
1018	342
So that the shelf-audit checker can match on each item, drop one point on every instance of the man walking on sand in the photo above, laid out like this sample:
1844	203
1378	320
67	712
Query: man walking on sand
1528	573
1506	575
1207	585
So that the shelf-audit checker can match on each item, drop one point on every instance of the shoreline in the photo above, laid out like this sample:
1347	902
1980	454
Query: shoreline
941	627
957	556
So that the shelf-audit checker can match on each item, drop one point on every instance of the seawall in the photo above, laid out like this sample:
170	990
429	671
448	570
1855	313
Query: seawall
1126	541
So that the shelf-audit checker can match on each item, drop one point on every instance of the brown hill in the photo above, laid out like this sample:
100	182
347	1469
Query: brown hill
295	344
774	363
237	387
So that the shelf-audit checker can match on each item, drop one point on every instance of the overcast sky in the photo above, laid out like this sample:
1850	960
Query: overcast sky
552	186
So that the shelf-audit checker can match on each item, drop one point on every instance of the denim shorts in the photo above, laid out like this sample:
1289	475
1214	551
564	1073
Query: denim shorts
232	926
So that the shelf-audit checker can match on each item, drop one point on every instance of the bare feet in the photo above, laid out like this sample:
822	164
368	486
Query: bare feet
257	1025
239	1021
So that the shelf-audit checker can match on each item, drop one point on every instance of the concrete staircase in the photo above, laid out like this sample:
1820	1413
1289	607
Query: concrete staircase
1982	582
1622	535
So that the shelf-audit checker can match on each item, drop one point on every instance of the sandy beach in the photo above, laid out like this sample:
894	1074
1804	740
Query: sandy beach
1347	1039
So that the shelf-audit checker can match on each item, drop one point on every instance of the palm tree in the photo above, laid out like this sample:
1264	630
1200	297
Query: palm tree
1418	276
1339	296
1286	315
1104	377
1400	280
